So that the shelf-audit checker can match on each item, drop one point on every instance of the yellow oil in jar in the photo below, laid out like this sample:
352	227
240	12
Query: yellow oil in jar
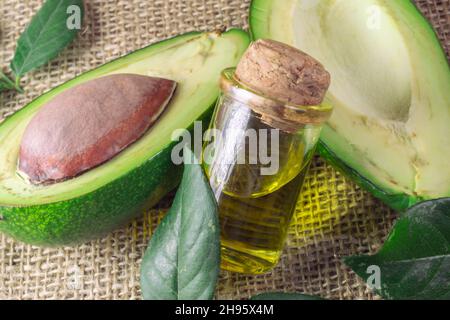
255	204
255	211
253	230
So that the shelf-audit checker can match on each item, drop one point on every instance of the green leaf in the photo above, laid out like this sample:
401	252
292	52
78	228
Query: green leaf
414	262
3	86
284	296
183	257
46	35
6	83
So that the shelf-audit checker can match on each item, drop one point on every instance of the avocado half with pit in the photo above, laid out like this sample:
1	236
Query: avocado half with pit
111	194
390	130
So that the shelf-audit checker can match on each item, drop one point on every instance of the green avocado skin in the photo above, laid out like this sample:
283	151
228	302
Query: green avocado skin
99	212
103	210
95	213
398	201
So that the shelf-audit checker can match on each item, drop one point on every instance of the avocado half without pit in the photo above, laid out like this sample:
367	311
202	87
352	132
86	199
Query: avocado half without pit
89	124
68	176
390	127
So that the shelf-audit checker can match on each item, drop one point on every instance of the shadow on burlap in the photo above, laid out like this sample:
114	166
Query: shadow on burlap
336	218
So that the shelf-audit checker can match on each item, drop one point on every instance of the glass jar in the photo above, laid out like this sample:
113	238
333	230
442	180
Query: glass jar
256	155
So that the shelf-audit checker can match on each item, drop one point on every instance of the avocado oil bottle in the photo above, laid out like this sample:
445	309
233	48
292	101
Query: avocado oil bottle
258	151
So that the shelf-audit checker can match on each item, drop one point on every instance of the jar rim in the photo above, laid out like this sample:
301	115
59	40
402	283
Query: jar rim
297	115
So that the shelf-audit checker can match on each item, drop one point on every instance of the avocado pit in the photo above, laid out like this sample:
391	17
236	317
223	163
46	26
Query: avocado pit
89	124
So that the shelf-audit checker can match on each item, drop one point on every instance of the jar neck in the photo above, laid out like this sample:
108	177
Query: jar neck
275	113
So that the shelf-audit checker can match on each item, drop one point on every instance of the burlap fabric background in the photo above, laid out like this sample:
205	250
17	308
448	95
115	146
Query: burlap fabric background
336	218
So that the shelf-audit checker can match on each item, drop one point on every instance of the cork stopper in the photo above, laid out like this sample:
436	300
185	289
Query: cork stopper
284	73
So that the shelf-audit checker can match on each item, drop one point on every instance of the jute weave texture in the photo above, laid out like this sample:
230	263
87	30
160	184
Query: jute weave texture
334	218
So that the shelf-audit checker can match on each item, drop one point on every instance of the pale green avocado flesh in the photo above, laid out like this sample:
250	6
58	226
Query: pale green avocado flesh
101	199
390	88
